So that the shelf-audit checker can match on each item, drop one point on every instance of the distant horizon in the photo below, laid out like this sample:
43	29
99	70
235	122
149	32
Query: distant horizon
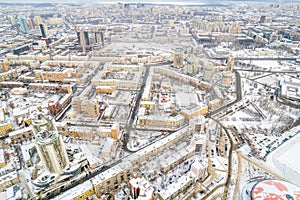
179	2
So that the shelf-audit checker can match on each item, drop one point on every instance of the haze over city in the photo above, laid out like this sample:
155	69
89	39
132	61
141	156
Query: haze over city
150	100
142	1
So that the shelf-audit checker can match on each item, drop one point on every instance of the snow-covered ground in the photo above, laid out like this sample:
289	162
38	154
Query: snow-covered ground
286	158
270	80
249	171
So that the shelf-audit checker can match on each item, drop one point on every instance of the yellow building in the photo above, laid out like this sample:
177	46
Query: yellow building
38	19
107	180
5	128
62	127
115	130
54	76
82	132
58	76
87	193
226	78
8	180
189	114
109	130
148	104
5	67
105	89
166	85
213	104
90	108
167	122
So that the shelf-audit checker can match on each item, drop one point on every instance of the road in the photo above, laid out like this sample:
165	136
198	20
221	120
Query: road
230	161
207	196
238	89
237	184
235	176
139	97
22	178
261	166
231	147
134	110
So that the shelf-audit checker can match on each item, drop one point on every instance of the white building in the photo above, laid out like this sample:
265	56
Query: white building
141	189
199	143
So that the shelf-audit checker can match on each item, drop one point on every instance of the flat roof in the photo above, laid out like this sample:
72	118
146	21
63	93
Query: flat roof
184	99
76	191
20	131
177	185
275	189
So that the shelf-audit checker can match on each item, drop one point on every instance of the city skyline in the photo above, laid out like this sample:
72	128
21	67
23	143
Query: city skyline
180	2
150	101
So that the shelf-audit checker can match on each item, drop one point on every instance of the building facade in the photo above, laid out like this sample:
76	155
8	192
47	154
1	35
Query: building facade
51	150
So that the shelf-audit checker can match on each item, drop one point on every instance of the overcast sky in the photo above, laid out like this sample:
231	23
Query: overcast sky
130	1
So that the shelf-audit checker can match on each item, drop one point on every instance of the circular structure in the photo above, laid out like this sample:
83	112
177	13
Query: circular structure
44	180
275	189
270	190
43	123
46	137
39	122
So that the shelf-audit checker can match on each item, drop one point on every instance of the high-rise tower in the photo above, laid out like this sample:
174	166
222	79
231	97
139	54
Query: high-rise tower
230	63
199	143
208	72
24	25
38	19
42	30
43	123
51	150
83	39
178	59
226	78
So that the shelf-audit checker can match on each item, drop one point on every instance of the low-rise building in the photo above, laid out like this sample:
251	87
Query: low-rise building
5	128
199	110
109	130
141	189
179	186
80	192
290	90
105	89
166	122
215	103
20	134
81	132
8	180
